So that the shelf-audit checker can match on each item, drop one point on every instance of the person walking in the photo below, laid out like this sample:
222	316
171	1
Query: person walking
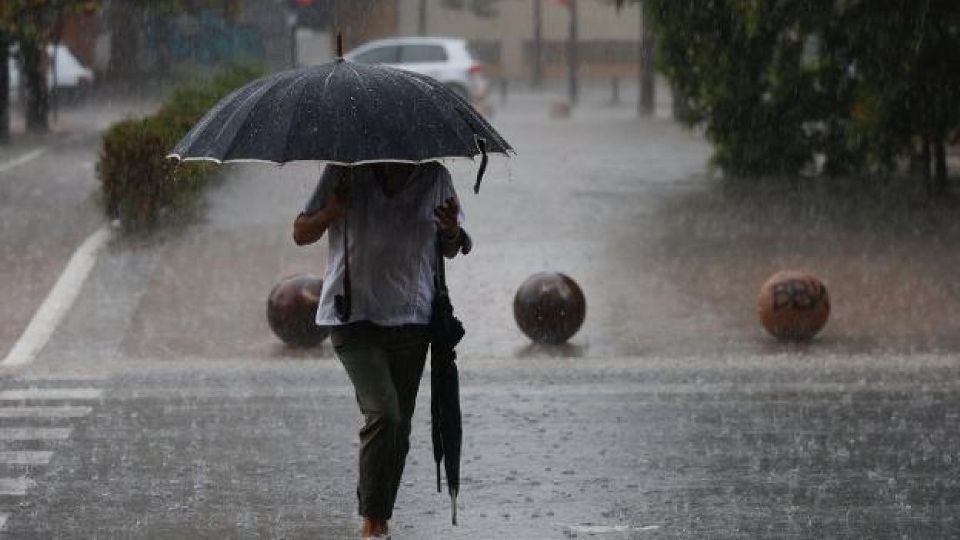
383	224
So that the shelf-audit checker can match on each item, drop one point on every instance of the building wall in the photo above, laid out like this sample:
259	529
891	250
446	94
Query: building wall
608	37
267	22
363	20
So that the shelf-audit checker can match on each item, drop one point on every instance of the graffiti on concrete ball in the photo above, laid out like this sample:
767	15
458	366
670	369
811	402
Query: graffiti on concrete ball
799	294
793	305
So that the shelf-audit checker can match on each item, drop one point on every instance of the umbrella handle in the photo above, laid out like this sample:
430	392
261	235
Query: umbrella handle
439	488
482	146
453	508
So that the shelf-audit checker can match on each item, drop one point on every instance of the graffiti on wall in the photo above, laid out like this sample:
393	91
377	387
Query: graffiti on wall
214	41
205	38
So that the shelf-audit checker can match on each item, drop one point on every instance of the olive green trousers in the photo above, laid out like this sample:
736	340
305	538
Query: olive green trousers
385	364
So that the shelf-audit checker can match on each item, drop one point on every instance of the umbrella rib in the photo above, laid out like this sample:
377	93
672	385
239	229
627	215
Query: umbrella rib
191	137
428	89
303	90
259	92
256	93
467	110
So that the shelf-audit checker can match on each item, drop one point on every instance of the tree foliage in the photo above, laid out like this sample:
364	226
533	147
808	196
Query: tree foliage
32	24
830	86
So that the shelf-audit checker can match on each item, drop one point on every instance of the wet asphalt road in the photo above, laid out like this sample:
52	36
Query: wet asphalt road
747	447
670	415
48	205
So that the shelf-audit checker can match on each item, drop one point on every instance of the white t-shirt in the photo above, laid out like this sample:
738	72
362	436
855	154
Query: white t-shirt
392	245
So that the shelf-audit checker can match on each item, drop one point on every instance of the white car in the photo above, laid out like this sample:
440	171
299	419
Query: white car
448	60
66	74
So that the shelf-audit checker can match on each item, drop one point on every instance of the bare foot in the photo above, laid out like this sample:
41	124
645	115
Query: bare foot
373	528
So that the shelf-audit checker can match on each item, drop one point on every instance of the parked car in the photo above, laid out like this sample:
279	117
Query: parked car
71	78
448	60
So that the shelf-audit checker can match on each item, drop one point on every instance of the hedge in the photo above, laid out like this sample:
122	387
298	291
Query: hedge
139	186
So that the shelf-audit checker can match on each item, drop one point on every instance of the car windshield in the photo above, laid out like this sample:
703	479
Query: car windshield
422	53
385	54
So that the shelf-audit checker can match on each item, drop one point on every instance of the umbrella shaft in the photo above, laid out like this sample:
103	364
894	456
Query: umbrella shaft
453	500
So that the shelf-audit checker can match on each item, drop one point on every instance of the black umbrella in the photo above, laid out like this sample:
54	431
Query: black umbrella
344	113
445	419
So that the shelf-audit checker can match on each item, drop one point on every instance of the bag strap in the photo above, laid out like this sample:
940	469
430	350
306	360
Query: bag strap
341	302
440	280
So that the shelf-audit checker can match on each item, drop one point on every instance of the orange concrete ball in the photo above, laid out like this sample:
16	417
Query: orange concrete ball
793	305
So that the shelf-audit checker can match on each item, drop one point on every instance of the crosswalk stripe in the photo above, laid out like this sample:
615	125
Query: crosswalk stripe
23	394
34	434
16	487
25	457
66	411
60	378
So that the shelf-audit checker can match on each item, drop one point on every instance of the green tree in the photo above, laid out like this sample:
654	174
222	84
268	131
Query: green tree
4	88
908	81
32	24
854	86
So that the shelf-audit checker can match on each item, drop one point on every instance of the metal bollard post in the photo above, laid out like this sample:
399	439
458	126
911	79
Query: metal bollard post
615	91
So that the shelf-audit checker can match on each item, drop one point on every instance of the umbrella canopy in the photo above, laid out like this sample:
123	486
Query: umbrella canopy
344	113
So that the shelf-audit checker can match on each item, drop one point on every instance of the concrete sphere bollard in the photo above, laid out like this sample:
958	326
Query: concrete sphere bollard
549	307
793	305
292	310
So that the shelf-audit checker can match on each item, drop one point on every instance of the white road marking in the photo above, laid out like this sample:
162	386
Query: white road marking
16	162
16	487
45	412
3	520
58	301
25	457
607	529
598	529
34	434
66	394
71	378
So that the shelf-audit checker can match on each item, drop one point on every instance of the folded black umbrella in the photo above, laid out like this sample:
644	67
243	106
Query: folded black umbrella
445	418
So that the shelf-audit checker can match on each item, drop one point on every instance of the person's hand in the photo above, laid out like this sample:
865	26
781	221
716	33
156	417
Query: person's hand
446	218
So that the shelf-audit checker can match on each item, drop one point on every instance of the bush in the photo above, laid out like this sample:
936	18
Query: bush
816	86
138	183
139	186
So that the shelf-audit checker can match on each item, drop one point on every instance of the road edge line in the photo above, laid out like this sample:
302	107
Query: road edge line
58	301
20	160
